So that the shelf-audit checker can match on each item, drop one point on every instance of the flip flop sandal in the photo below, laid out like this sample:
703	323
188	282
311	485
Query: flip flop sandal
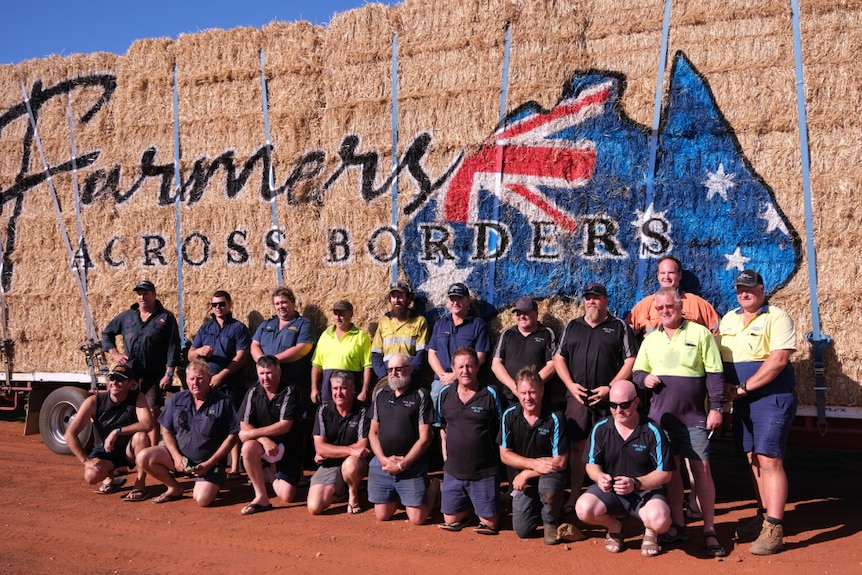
112	487
253	508
136	495
456	526
483	529
678	534
166	498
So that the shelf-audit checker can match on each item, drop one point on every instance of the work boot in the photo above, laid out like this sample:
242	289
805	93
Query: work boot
771	540
749	529
551	537
568	533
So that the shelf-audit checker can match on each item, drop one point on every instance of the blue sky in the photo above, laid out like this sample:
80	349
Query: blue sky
35	29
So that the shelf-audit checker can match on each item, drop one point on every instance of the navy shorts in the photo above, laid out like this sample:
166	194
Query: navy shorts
630	503
762	425
118	456
289	468
410	487
457	495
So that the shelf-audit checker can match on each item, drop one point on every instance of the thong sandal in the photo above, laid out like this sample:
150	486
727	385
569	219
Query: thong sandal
649	545
455	526
614	542
136	495
713	549
354	508
111	487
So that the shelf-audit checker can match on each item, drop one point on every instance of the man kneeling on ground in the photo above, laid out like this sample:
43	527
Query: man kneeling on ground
629	459
341	444
269	432
199	427
121	421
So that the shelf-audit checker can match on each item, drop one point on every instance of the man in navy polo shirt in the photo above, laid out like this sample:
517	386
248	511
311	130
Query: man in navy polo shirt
223	342
526	344
459	329
469	416
289	337
533	443
199	428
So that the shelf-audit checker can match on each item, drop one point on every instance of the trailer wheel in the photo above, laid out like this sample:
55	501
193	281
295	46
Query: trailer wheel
59	409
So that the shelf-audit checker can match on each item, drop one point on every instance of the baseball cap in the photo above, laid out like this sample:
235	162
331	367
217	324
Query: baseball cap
122	373
342	305
526	303
146	285
749	278
595	289
400	286
458	290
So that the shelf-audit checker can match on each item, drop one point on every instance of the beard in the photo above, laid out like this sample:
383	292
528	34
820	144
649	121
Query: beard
397	382
592	314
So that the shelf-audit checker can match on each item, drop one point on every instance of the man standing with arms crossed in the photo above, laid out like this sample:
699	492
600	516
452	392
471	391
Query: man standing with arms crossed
151	343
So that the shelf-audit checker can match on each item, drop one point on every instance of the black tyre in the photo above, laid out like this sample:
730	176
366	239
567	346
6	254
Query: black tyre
58	411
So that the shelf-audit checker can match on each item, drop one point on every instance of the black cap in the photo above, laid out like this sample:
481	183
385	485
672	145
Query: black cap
122	373
526	303
458	290
595	289
749	278
342	305
403	287
145	285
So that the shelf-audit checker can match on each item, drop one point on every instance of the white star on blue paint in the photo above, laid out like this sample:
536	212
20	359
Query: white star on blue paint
736	260
773	220
718	182
440	277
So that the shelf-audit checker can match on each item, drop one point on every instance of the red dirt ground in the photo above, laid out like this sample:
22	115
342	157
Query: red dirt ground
53	523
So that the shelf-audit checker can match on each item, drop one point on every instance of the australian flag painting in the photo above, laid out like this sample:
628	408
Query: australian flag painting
555	199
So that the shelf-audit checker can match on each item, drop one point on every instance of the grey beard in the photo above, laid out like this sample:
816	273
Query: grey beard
396	382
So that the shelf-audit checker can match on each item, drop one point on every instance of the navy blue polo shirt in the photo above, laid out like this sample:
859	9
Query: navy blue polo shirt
447	337
226	340
274	341
199	432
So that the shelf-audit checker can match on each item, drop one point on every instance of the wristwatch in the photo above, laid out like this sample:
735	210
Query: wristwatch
719	409
637	483
743	385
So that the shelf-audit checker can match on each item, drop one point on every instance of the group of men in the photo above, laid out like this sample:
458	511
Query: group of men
628	414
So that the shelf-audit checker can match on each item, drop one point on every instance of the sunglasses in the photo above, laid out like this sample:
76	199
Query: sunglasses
661	307
218	304
621	405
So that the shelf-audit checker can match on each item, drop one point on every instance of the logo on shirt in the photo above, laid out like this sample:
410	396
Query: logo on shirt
639	447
